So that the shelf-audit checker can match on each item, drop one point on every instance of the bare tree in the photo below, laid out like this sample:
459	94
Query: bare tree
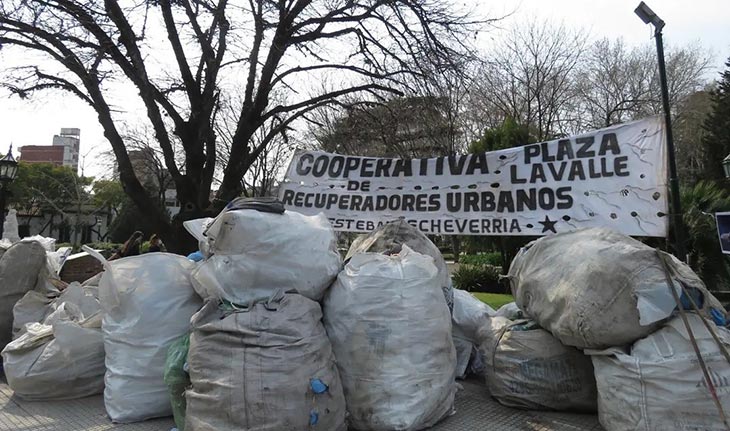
97	46
530	77
262	176
615	83
426	121
620	84
148	163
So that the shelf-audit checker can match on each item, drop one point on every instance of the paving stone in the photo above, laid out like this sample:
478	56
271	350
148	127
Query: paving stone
475	411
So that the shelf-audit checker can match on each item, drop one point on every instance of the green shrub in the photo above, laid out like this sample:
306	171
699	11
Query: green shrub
492	258
100	246
103	246
144	247
478	278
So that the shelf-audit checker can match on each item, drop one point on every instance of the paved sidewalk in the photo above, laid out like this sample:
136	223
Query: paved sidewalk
475	411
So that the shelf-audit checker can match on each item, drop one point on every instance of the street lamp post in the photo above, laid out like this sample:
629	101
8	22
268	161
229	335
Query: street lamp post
649	17
8	172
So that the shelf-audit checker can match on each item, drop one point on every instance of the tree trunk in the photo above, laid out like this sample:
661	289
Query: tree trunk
456	247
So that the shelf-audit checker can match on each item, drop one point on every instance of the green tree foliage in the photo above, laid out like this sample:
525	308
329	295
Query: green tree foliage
43	187
717	125
509	135
700	202
109	194
689	136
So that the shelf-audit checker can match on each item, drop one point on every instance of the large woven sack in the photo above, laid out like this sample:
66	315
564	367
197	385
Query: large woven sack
255	253
20	266
147	302
526	367
658	385
468	316
596	288
391	333
60	358
390	237
268	367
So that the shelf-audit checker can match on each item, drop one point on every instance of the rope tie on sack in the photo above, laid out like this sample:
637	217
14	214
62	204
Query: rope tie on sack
683	315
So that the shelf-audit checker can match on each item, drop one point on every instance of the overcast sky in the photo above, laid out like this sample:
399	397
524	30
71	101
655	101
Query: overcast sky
35	122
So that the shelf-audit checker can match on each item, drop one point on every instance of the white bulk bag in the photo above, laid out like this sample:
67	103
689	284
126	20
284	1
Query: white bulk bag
255	253
596	288
147	302
659	384
20	266
468	316
526	367
391	332
269	366
390	237
61	358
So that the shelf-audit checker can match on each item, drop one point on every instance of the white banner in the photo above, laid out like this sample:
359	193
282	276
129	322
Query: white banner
614	177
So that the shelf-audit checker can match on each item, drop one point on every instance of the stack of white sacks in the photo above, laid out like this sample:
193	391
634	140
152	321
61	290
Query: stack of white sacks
259	355
109	334
57	349
604	297
387	324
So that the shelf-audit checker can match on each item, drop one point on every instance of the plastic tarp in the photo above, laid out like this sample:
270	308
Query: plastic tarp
390	237
658	384
19	270
268	366
147	302
596	288
468	316
255	253
177	378
62	357
391	332
526	367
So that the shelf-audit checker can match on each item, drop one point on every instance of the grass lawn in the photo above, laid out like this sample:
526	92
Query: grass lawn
494	300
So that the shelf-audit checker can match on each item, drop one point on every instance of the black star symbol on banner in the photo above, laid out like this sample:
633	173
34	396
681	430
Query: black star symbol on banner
548	225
